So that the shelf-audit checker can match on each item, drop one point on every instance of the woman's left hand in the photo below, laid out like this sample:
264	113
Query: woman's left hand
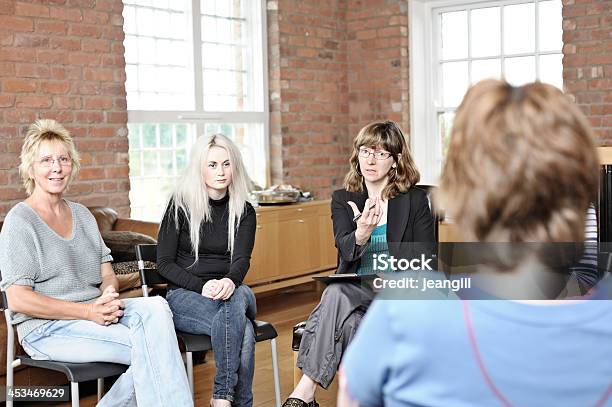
227	288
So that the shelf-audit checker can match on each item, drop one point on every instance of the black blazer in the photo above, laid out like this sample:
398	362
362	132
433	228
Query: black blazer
409	219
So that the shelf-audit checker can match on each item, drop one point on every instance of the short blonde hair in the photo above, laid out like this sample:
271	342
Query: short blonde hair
521	167
39	131
389	136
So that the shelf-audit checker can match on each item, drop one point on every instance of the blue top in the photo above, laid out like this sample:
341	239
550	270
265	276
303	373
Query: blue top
419	353
378	245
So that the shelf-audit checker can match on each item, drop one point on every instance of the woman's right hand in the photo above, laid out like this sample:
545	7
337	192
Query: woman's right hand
367	222
107	309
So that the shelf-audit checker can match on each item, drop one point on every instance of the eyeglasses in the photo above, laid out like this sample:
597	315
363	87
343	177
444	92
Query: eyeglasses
48	162
379	155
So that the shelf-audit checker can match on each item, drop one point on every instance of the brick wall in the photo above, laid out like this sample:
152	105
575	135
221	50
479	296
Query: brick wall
377	42
334	66
587	60
308	93
63	60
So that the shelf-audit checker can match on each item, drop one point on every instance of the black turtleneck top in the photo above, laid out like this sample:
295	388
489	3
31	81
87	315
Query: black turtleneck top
175	253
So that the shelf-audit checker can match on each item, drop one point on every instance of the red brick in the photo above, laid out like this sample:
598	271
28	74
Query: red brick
100	103
62	116
31	10
91	173
84	59
104	131
29	40
7	7
117	172
116	117
7	193
67	14
6	101
84	30
95	17
28	70
52	56
18	86
98	74
89	117
51	26
91	45
19	116
16	23
71	44
56	87
67	102
33	101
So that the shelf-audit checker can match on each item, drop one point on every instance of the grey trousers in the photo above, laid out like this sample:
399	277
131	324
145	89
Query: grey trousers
329	329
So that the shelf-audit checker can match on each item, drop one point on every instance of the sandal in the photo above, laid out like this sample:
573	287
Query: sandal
295	402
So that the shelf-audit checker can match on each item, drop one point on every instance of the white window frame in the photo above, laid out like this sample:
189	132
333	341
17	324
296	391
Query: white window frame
425	78
199	116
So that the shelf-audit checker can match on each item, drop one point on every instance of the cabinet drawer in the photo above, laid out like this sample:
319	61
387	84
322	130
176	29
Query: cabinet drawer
297	213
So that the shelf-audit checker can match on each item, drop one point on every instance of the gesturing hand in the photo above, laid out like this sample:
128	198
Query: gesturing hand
366	220
107	309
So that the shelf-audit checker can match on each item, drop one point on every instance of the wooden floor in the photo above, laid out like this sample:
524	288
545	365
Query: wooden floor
283	309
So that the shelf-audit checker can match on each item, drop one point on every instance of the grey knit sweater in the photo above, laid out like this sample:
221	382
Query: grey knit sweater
32	254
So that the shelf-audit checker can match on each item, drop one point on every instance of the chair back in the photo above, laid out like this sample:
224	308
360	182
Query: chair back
148	276
437	215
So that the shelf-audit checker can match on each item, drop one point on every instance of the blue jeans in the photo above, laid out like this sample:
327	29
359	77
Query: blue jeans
232	337
144	338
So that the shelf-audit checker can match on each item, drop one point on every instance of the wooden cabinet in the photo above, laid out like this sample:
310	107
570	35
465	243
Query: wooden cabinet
292	242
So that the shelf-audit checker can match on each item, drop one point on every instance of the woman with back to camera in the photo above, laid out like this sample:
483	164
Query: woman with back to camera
59	282
521	169
378	212
204	249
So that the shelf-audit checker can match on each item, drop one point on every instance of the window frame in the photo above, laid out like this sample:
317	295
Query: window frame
426	78
199	117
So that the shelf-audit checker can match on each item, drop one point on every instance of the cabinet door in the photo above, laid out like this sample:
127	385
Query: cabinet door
264	260
327	247
298	246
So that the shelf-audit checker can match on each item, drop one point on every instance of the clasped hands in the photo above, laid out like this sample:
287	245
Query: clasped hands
107	309
366	220
218	289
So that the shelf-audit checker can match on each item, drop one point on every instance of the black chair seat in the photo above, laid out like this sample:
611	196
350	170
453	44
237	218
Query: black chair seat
77	372
193	342
264	331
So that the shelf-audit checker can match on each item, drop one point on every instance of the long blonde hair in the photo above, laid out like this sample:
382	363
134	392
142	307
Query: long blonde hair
191	197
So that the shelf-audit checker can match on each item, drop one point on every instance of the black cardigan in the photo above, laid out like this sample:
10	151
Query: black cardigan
409	219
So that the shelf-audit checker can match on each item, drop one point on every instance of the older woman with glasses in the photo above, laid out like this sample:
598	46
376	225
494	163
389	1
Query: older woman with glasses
59	282
378	212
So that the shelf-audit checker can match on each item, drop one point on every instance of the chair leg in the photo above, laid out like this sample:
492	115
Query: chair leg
9	380
189	360
275	371
100	388
74	394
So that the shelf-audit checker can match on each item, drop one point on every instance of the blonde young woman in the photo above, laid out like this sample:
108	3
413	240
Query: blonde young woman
204	249
379	211
58	278
521	167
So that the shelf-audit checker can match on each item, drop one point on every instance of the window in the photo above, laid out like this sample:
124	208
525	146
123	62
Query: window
518	40
193	67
